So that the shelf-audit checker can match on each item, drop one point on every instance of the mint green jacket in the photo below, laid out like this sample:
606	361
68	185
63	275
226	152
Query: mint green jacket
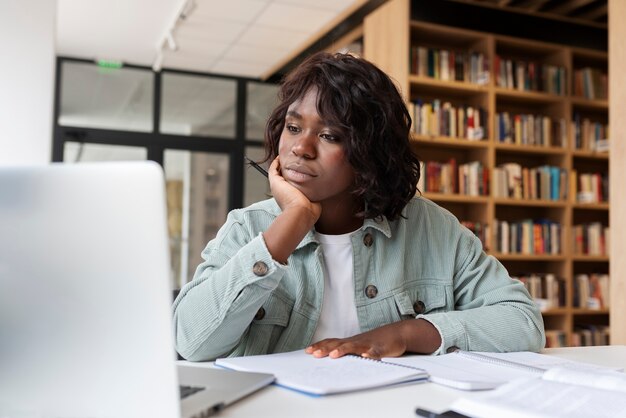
423	265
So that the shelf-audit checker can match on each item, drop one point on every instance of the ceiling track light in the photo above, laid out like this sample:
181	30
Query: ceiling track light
187	7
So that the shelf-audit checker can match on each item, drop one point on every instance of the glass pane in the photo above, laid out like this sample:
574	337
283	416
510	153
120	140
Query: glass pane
262	99
256	186
197	205
106	98
75	152
198	105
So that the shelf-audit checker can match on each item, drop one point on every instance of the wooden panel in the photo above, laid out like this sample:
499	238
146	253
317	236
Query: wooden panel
617	218
386	41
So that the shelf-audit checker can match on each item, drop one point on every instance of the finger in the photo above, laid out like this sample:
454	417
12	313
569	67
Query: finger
274	168
372	353
322	348
348	347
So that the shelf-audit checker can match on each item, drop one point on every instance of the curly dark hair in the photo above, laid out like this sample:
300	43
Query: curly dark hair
362	101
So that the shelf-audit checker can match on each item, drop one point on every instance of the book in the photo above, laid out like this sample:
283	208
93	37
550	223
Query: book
469	370
325	376
461	370
557	393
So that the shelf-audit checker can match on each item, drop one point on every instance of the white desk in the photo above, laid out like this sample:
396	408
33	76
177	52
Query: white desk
390	402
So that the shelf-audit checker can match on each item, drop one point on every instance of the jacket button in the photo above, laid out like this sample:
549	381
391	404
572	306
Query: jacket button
368	240
371	291
452	349
419	307
260	268
260	314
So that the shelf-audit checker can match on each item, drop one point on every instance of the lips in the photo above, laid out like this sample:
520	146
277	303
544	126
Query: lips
297	172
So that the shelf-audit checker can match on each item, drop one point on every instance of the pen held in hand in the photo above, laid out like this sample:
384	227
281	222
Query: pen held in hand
256	166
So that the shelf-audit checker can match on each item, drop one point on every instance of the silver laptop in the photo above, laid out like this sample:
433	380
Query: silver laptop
85	301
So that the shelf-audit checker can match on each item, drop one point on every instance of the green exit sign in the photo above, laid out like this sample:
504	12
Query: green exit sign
109	64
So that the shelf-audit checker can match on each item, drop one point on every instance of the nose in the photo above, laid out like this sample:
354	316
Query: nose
304	146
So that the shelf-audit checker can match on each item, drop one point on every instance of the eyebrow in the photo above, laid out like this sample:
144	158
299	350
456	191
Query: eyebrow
294	114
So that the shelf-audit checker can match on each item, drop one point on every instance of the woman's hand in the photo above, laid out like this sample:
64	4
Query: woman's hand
297	218
288	196
392	340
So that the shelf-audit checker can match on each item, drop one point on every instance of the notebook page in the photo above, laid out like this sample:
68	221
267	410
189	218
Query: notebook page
480	370
599	379
320	376
536	398
462	373
540	361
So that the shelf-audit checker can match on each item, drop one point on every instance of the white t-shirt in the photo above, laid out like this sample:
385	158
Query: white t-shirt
338	318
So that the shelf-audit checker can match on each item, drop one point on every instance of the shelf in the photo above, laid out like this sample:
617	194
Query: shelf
530	149
590	154
448	141
583	311
530	97
528	257
454	86
591	206
555	311
594	104
529	202
591	258
442	197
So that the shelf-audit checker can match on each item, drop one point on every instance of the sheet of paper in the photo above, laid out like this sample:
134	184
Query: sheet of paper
537	398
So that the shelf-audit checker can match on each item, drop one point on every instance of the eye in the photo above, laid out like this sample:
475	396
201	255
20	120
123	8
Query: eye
328	137
292	128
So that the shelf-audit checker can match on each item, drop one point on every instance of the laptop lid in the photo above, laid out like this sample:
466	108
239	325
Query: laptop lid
85	300
84	292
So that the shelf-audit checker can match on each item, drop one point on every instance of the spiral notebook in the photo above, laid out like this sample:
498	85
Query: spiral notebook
460	370
470	370
325	376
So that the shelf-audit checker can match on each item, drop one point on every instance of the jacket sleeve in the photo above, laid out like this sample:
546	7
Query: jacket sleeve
493	312
215	309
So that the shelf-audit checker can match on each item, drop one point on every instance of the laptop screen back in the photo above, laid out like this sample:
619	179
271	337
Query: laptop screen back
84	292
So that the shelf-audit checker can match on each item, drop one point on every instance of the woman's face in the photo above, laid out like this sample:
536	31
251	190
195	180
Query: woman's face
312	155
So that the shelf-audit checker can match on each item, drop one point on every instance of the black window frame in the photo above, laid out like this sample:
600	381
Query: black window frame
155	142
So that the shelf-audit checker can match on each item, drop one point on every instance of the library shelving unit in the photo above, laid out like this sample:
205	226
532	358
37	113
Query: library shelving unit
522	112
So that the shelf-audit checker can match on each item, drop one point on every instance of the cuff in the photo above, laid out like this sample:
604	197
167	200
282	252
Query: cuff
451	331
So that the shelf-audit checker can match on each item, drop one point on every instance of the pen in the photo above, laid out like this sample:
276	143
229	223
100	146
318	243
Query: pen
255	165
445	414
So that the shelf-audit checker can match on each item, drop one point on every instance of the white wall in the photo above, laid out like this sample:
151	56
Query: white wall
27	67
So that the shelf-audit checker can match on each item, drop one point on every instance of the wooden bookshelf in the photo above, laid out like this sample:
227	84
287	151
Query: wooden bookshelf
391	40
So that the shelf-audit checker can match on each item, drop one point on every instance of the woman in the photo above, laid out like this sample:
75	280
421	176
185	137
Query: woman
344	259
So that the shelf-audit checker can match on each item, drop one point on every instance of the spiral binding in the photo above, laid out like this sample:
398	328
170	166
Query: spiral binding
389	363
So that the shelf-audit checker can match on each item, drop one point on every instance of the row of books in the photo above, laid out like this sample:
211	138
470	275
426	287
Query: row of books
530	76
588	135
587	335
591	239
546	289
528	236
591	187
481	230
450	65
544	182
523	129
591	83
445	119
583	335
591	291
555	338
471	179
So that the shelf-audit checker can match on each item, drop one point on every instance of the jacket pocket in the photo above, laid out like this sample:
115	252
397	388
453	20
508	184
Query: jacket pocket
404	305
423	297
268	325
